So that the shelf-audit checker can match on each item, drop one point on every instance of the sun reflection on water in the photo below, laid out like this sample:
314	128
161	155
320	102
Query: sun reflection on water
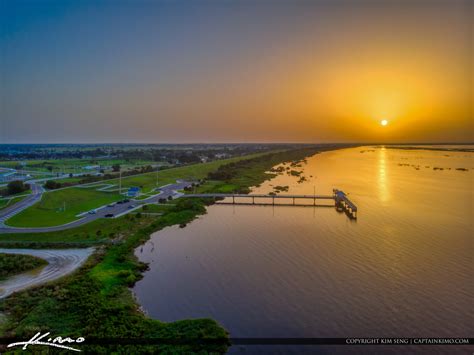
382	180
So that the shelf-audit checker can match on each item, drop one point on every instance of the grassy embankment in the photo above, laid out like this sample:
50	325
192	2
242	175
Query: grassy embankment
5	202
12	264
50	210
148	182
96	301
60	207
68	180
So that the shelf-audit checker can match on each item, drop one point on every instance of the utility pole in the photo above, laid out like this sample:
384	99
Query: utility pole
120	182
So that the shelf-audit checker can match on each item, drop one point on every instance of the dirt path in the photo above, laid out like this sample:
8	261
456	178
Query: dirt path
60	262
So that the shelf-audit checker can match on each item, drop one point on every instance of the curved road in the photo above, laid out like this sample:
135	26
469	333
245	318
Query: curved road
60	263
116	210
10	211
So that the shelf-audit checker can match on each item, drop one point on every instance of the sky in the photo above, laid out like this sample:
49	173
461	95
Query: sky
236	71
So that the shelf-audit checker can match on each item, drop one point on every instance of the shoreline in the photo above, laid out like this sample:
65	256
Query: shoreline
459	150
113	272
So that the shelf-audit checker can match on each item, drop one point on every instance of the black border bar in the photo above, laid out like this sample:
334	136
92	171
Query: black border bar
390	341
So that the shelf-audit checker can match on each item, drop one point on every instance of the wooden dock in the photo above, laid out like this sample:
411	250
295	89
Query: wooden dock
341	201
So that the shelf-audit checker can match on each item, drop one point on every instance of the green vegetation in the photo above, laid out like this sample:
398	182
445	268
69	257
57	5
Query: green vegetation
240	175
73	165
57	183
96	301
15	187
152	208
50	210
281	188
100	231
12	264
147	182
62	206
5	202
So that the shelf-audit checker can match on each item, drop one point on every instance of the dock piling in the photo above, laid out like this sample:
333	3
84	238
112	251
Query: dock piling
341	201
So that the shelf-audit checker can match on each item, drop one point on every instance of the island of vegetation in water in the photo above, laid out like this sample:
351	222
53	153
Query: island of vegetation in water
13	264
96	301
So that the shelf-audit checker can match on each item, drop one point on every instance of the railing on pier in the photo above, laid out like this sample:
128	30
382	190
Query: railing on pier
342	202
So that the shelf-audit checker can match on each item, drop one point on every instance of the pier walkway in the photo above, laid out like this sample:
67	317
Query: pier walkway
341	201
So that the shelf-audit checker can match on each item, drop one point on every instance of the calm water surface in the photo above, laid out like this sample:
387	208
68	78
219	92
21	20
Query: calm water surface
404	268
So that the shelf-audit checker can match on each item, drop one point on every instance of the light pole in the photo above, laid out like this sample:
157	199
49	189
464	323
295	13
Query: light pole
120	182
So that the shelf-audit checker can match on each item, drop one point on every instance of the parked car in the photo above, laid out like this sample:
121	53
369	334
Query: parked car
92	212
109	215
131	206
111	205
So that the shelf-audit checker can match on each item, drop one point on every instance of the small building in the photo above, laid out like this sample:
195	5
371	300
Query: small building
133	192
7	175
92	167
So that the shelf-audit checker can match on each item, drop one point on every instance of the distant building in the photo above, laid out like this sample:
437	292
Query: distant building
91	167
133	192
221	155
7	175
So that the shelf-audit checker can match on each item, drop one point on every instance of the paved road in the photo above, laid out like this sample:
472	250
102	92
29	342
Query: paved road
60	263
116	210
10	211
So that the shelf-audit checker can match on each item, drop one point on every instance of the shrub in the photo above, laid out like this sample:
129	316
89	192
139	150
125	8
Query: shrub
17	186
51	185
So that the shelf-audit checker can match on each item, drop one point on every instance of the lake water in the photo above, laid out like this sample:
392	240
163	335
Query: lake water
403	269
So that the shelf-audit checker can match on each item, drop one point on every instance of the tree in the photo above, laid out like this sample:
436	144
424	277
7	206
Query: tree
15	187
116	168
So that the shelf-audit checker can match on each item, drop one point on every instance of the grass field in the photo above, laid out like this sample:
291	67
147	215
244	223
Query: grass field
50	210
148	182
98	231
5	202
72	165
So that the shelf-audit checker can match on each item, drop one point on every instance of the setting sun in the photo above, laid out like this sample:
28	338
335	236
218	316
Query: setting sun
384	122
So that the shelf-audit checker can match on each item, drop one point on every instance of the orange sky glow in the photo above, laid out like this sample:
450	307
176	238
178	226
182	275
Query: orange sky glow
302	72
